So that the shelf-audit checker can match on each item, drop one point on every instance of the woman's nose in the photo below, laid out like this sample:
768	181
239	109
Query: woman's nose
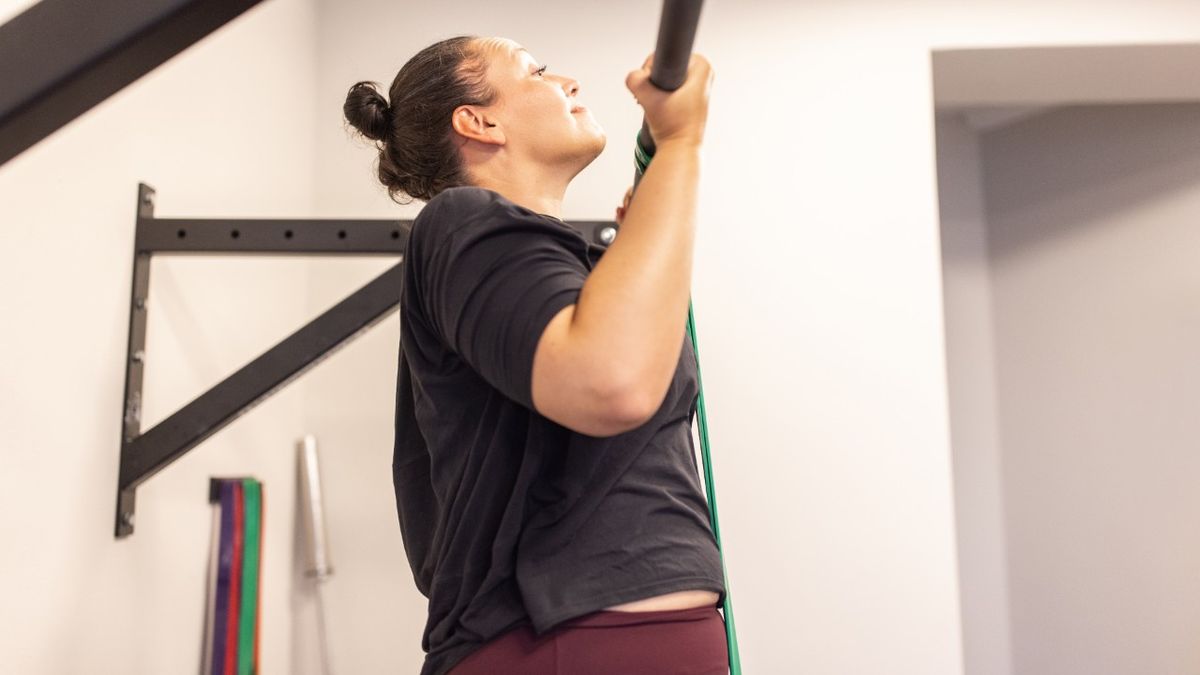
571	86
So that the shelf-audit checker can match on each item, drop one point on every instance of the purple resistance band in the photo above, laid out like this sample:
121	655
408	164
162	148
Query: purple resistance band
224	577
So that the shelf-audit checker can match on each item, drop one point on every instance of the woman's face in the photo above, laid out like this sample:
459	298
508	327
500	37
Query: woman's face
539	111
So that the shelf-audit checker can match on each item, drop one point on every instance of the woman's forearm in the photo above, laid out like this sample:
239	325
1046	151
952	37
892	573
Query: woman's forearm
633	307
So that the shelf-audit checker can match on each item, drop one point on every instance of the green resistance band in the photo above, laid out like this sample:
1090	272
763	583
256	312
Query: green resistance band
641	161
247	662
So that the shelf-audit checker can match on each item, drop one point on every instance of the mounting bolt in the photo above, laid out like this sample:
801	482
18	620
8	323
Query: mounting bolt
138	356
148	199
126	519
608	234
139	303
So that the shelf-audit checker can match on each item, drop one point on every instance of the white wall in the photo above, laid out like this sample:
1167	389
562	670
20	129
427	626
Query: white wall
221	130
11	8
1093	249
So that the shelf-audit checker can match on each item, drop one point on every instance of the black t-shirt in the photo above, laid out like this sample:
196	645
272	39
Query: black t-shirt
507	517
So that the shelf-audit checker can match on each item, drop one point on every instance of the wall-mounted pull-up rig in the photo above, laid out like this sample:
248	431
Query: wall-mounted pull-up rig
145	453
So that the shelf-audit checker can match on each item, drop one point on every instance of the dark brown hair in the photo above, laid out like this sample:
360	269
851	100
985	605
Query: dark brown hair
418	152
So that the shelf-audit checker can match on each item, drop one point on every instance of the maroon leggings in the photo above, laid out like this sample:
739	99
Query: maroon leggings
671	642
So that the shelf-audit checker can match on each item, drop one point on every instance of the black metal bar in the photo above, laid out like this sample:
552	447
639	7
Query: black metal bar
676	35
672	53
135	358
292	237
171	438
59	58
259	236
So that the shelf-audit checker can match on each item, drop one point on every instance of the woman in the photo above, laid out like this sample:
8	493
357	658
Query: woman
548	493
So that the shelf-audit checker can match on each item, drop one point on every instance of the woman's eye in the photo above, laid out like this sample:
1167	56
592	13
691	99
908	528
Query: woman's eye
541	71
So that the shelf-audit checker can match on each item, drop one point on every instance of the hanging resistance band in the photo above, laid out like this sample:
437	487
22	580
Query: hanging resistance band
233	627
642	157
221	595
247	661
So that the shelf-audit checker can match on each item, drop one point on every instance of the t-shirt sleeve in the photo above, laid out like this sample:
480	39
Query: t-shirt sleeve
493	280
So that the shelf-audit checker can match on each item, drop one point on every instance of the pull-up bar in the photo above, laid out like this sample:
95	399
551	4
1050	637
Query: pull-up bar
676	35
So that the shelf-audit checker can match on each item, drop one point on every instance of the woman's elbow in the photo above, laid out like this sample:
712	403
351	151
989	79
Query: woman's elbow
630	410
606	412
626	409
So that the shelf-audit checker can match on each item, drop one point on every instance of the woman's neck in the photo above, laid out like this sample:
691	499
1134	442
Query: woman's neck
536	186
539	197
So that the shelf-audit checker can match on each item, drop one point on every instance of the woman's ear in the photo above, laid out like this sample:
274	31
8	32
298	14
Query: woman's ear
471	122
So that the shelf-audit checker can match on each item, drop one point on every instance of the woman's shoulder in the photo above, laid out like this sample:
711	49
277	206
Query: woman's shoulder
467	202
471	209
464	197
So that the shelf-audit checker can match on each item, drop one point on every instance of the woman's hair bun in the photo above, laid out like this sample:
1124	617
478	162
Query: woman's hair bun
368	111
420	155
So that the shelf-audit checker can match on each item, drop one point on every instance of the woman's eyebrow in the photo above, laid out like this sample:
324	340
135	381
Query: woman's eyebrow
533	60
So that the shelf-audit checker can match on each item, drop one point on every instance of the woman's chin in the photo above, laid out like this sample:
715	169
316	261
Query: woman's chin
600	141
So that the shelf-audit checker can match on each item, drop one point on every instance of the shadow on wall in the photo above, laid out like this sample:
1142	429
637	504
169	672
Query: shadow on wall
1075	181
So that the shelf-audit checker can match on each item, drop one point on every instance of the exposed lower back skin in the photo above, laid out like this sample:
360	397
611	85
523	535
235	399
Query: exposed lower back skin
677	600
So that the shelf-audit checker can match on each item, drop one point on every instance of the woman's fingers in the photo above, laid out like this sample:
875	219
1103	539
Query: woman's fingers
624	205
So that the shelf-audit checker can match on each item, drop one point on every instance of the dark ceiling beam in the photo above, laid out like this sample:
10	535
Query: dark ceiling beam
60	58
